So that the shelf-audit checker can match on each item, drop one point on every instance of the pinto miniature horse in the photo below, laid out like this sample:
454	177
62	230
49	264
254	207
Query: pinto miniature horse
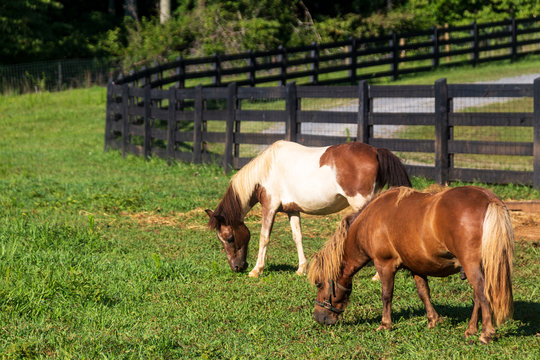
431	234
291	178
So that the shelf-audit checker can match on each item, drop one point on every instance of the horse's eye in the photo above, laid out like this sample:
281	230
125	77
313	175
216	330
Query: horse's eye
318	285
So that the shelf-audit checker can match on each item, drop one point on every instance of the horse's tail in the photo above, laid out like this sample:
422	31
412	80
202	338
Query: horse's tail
326	264
391	170
497	258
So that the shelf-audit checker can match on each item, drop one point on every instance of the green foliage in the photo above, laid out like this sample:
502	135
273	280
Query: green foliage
51	29
205	28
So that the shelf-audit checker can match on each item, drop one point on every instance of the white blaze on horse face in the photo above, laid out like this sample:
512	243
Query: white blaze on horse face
223	234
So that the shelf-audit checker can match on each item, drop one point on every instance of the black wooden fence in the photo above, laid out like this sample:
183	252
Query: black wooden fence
352	60
211	124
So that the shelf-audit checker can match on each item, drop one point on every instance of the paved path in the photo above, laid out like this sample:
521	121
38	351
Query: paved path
398	105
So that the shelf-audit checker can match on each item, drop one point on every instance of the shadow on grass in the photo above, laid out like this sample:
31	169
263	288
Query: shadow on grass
528	313
281	268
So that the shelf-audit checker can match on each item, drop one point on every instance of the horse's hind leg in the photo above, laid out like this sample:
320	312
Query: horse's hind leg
422	287
294	219
476	278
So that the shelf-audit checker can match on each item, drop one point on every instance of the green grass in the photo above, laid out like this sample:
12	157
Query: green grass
106	257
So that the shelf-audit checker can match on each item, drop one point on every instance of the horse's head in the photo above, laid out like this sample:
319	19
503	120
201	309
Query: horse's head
332	298
235	240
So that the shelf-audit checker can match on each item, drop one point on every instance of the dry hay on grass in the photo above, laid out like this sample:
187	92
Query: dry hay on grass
186	220
525	219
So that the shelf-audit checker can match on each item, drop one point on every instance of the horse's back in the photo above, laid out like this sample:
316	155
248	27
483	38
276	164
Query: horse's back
425	232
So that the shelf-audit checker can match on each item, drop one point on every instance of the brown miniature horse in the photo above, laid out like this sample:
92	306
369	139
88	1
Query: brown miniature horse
464	229
292	178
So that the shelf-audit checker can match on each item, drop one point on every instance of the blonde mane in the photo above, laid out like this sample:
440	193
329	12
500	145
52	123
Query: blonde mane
431	190
326	264
244	181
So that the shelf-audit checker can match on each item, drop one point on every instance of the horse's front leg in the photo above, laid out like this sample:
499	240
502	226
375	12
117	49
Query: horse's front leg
268	217
387	274
294	219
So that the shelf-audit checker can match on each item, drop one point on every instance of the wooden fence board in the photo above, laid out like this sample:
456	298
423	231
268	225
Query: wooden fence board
261	115
490	119
315	116
491	176
490	147
379	118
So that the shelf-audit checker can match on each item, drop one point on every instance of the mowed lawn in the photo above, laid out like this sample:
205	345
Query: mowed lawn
109	257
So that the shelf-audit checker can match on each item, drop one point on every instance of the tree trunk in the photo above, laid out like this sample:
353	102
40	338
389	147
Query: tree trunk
112	8
164	11
130	8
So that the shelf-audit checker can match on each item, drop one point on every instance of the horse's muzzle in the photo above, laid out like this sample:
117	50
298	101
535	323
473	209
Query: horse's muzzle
239	267
324	317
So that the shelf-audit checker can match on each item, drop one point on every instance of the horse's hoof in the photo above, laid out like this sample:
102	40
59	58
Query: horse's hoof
470	332
384	327
253	274
376	277
485	339
301	270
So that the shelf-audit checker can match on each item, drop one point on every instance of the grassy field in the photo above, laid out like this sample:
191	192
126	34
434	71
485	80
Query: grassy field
105	257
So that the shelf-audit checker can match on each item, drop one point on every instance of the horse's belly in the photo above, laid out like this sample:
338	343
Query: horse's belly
315	206
439	266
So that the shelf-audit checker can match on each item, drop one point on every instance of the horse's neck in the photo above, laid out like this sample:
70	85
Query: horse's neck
355	256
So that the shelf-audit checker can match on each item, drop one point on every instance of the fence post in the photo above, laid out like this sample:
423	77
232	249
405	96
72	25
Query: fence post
217	69
435	48
363	130
251	63
282	58
514	38
197	125
180	73
475	43
353	64
291	106
147	129
441	132
108	119
314	78
395	56
157	75
59	76
229	127
171	126
536	131
125	119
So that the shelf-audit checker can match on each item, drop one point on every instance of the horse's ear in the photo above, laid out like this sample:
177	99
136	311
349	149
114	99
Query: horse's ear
212	215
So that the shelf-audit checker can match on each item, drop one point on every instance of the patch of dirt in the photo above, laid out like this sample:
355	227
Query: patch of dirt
525	219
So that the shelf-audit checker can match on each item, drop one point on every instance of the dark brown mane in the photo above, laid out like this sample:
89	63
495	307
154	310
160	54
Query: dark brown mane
228	212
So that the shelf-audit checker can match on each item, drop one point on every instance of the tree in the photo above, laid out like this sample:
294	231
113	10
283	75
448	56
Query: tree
164	10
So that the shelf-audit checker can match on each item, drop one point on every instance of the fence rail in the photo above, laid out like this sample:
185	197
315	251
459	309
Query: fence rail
54	74
352	60
213	124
